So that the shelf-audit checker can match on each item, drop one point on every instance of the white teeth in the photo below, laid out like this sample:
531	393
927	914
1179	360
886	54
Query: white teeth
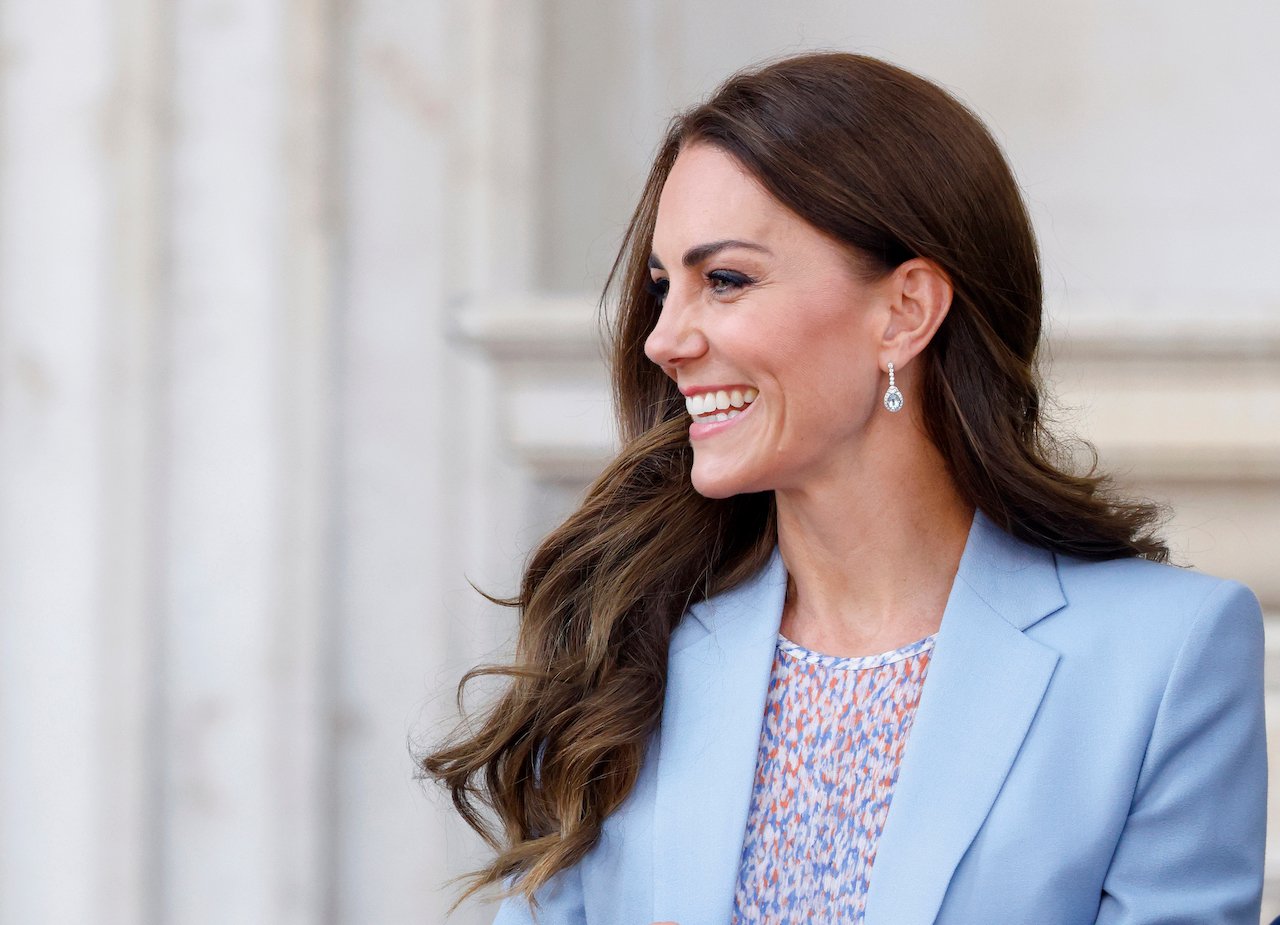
705	404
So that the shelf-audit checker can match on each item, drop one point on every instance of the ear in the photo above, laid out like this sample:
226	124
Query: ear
920	297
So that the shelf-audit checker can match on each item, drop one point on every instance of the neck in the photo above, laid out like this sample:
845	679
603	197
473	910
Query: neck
871	553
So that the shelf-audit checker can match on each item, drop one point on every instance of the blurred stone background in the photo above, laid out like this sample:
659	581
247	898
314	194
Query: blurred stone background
297	335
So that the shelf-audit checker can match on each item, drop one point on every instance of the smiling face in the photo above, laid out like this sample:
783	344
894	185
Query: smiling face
755	299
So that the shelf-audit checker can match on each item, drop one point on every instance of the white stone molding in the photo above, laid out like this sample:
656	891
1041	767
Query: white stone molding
55	260
245	561
134	301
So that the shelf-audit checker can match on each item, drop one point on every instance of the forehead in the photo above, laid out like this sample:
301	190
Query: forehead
708	196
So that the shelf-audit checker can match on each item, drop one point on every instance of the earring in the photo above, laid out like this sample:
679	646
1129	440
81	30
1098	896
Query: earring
892	397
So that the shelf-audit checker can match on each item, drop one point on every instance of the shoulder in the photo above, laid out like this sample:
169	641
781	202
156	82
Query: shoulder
1145	593
1132	575
1135	613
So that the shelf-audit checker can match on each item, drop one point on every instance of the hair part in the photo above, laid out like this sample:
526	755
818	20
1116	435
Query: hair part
895	168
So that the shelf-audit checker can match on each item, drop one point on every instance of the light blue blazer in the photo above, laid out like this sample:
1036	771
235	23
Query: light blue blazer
1089	747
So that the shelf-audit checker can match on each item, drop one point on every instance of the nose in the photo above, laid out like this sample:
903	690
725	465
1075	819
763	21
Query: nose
675	339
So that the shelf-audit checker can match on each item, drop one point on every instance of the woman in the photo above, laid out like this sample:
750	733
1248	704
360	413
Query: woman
839	636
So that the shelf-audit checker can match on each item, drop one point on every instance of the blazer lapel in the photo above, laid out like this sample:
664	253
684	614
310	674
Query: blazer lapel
985	683
716	689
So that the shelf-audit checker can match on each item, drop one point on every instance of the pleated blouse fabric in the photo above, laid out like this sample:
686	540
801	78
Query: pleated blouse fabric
832	740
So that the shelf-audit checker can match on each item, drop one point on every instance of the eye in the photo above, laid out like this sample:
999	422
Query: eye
724	282
658	287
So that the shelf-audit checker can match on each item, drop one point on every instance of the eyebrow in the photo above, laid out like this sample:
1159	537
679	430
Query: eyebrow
695	255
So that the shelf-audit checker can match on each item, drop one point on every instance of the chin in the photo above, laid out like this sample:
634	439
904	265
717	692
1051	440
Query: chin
713	482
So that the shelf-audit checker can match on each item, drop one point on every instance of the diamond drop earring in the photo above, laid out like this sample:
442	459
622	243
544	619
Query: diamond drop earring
892	397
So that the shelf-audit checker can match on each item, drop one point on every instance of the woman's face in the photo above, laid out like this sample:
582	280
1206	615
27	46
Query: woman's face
759	302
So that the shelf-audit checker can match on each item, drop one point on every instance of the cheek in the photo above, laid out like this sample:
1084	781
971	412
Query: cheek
824	370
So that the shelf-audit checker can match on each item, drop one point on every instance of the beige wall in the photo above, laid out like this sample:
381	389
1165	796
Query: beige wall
295	339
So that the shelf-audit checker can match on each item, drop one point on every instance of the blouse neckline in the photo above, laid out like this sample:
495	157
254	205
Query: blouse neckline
855	662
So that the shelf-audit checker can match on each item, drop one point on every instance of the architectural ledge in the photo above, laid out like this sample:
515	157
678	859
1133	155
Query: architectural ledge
521	326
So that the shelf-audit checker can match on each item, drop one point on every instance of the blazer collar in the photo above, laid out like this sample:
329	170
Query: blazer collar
984	685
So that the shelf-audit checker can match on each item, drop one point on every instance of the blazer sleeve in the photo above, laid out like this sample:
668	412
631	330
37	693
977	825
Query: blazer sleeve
1191	849
560	902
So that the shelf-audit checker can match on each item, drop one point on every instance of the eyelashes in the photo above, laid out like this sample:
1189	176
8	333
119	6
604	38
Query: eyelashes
720	282
726	281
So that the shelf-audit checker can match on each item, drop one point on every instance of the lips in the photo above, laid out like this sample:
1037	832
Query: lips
712	423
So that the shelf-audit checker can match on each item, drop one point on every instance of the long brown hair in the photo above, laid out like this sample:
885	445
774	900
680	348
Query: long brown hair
894	167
